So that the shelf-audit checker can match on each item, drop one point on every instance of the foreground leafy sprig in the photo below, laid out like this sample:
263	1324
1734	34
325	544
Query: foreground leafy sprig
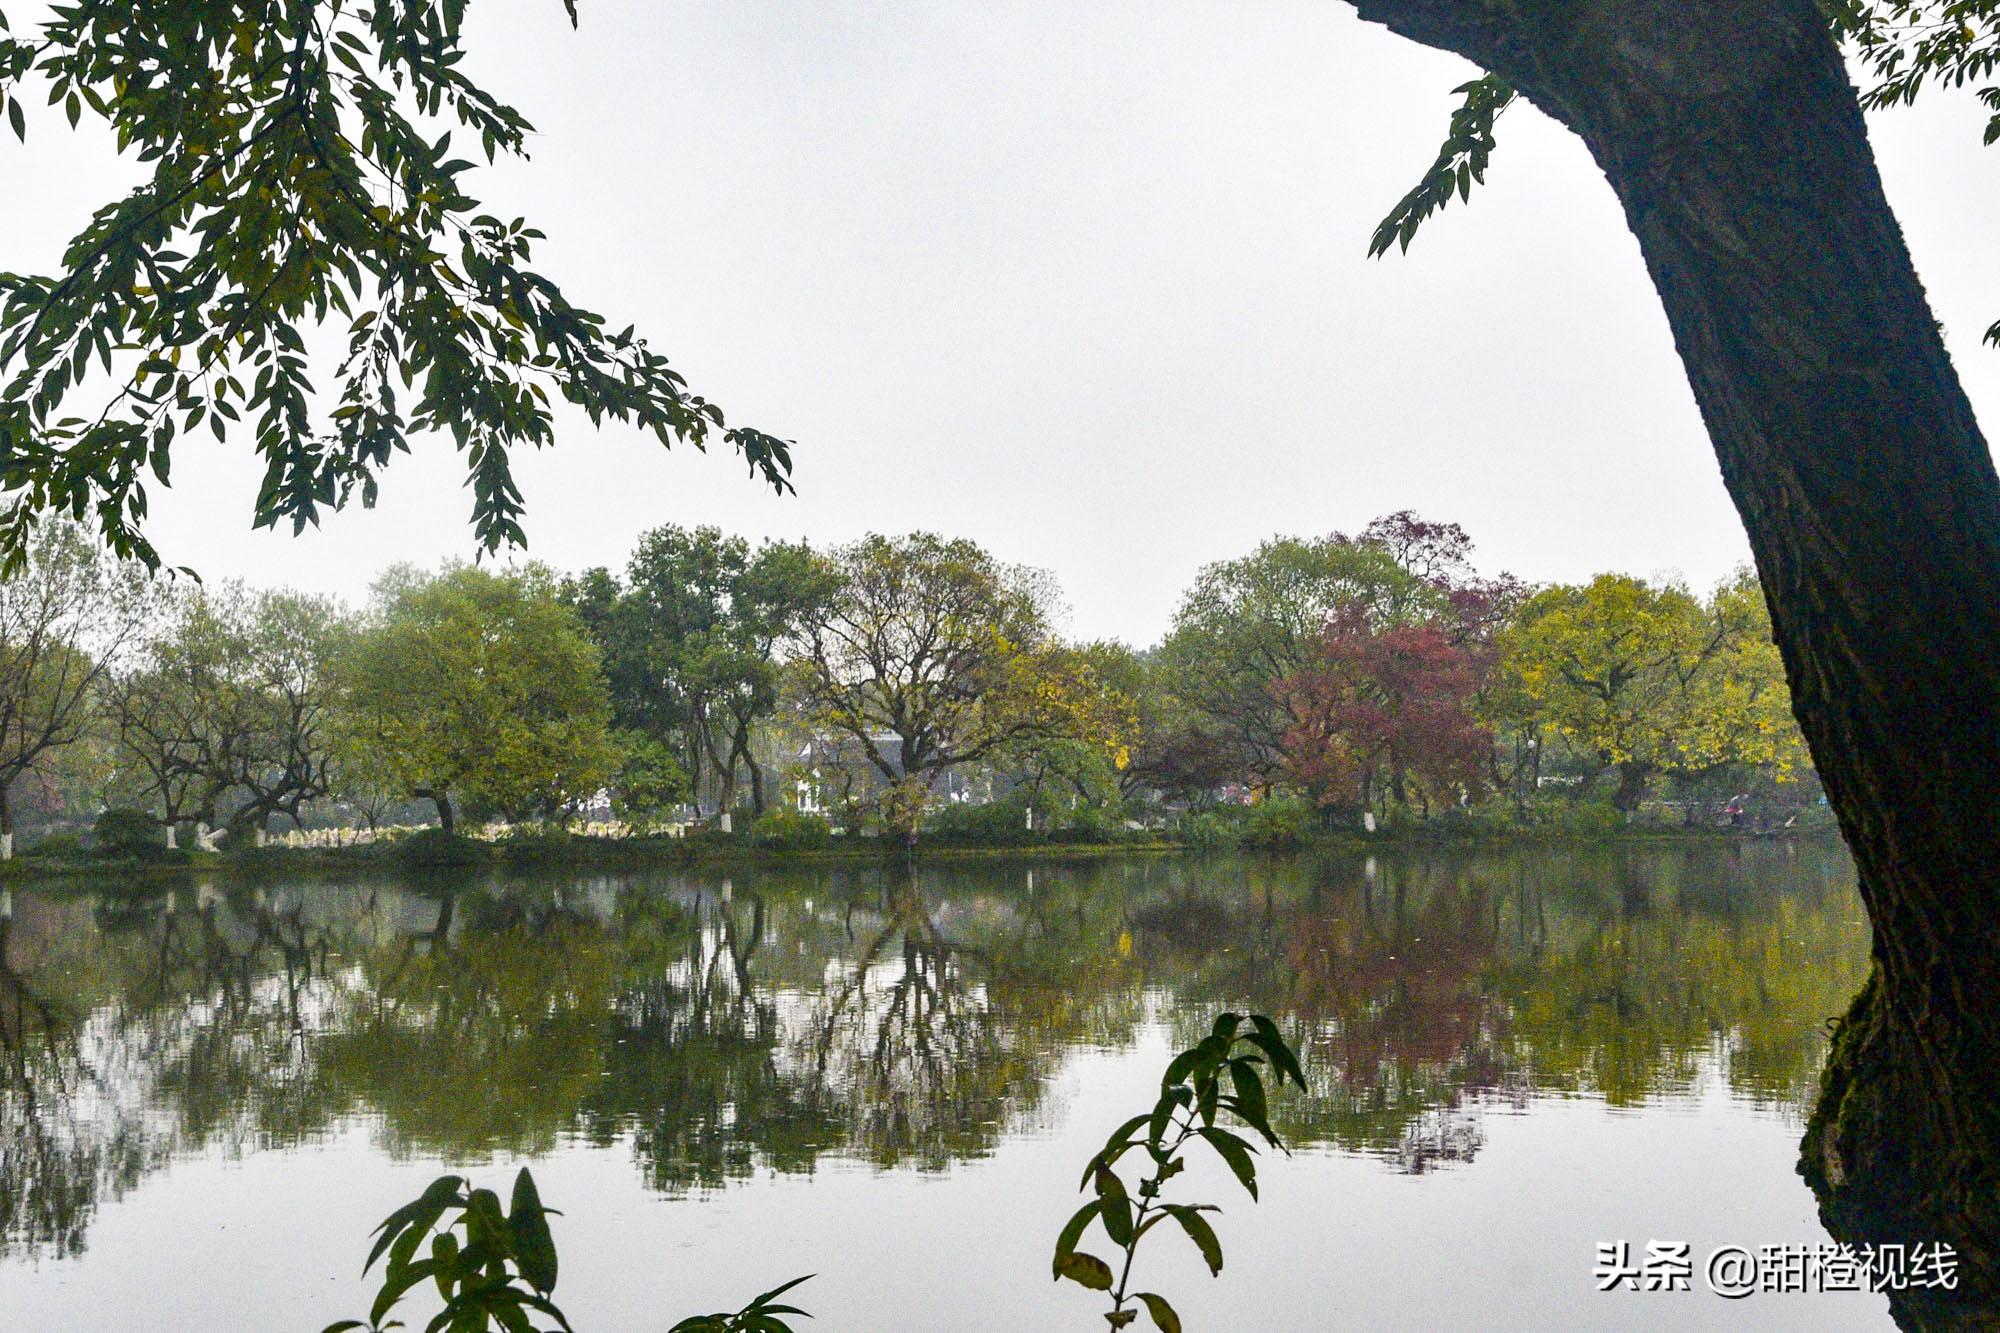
1460	163
1192	1098
763	1315
505	1267
301	167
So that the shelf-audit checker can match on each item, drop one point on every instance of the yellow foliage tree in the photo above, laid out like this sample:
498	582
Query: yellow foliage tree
1650	679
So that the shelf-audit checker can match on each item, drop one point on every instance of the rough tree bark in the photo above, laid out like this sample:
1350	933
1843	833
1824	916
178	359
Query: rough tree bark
1632	778
439	796
1733	139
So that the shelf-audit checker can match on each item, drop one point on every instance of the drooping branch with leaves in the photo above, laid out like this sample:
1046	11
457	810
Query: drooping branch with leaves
300	168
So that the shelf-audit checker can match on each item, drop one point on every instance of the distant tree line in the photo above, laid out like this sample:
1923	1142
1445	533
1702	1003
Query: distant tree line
883	684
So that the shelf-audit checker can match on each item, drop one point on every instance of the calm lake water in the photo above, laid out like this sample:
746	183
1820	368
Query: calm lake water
211	1095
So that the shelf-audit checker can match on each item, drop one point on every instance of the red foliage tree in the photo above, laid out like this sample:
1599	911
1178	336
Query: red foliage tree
1392	701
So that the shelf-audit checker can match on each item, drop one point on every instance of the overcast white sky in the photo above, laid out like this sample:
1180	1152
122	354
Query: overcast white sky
1083	282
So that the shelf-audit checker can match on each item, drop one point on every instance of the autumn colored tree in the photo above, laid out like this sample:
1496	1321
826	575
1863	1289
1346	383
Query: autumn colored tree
1394	701
1646	680
1248	623
1249	626
931	654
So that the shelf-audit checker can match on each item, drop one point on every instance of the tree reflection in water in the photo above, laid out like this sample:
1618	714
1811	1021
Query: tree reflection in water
724	1026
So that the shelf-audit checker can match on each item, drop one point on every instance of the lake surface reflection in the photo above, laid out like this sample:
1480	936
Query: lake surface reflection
211	1094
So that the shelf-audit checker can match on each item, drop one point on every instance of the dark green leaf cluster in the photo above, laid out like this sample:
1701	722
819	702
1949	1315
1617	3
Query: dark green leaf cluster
1218	1074
1461	162
763	1315
297	171
504	1268
1907	44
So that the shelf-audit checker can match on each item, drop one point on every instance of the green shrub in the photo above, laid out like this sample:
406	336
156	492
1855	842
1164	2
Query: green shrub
1279	822
1588	818
790	831
537	845
435	847
1001	824
128	834
1094	824
1212	832
59	846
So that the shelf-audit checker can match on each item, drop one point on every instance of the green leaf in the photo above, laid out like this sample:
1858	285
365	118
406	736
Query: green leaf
1163	1114
1283	1059
1163	1314
395	1283
1250	1096
1236	1153
534	1248
424	1210
1085	1270
1072	1232
1200	1232
764	1301
344	1325
1120	1318
1468	144
1121	1137
1116	1209
444	1260
1178	1067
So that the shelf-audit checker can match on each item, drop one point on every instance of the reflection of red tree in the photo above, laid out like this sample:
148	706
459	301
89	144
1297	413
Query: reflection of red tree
1400	993
1371	699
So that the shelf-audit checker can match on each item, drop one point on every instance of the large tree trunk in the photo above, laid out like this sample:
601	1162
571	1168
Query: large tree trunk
438	796
756	771
1631	791
1733	139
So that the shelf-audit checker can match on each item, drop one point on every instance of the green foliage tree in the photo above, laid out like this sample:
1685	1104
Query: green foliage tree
482	687
650	778
691	638
229	712
1248	623
68	619
298	166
